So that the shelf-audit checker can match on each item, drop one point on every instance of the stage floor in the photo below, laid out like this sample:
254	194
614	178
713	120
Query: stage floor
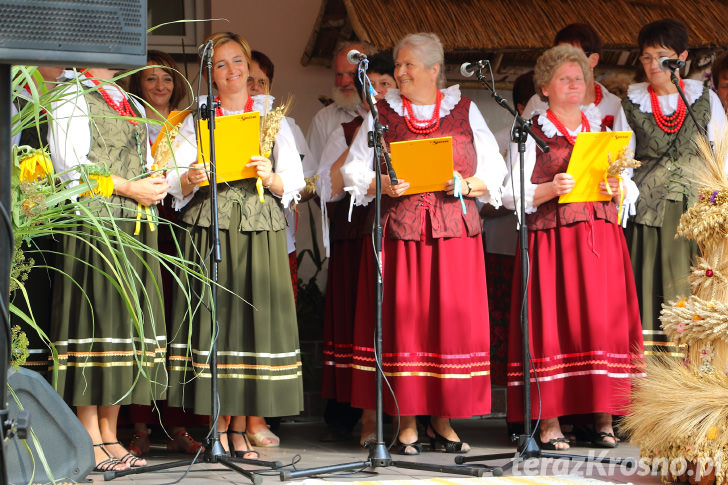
300	443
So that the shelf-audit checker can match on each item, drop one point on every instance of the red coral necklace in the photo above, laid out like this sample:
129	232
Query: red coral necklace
672	123
597	94
248	106
123	108
422	127
562	129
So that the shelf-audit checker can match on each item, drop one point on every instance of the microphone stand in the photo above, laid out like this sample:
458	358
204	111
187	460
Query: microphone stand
214	452
378	452
526	444
676	81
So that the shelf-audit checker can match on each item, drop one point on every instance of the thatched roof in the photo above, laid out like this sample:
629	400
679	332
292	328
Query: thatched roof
506	29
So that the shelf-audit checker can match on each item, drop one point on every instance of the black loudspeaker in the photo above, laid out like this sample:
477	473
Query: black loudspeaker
63	440
82	33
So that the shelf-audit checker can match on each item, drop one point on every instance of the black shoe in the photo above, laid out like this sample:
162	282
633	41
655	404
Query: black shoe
248	449
550	445
334	433
409	449
440	443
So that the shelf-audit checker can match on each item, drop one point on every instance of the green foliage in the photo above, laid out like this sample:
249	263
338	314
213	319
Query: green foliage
18	347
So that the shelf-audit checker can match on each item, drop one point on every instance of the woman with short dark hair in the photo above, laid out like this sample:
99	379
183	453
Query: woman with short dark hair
664	136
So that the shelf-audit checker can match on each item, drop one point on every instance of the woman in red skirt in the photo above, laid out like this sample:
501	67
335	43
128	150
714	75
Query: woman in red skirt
584	324
435	306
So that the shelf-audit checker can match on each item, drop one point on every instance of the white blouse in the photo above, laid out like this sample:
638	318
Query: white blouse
286	158
639	95
358	170
69	134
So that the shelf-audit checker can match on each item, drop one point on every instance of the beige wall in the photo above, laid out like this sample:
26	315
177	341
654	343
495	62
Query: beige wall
280	29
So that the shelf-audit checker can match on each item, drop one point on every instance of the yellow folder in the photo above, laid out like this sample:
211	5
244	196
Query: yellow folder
426	164
174	118
589	162
237	139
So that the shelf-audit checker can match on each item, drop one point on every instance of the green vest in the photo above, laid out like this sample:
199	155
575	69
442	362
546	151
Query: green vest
118	145
240	195
668	160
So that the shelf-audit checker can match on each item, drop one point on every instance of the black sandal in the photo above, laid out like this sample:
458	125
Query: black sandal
248	449
440	443
409	449
111	464
600	440
127	459
551	444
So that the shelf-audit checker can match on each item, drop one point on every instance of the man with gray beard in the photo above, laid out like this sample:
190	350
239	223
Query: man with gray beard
340	417
346	106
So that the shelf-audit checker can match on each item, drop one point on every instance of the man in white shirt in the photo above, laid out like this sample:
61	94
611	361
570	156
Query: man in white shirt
340	418
346	107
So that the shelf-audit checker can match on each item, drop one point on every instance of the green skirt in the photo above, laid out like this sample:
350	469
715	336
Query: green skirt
106	356
259	357
661	266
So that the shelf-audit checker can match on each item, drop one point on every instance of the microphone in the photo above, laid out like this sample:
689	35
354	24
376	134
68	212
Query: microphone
355	57
468	68
204	47
667	64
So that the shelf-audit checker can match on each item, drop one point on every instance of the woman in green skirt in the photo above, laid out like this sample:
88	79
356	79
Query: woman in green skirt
259	359
665	145
108	355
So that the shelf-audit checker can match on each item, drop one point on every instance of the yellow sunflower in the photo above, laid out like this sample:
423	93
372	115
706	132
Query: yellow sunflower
35	166
104	185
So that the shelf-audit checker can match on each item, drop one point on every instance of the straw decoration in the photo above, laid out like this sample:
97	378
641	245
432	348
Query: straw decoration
680	414
625	159
693	320
164	149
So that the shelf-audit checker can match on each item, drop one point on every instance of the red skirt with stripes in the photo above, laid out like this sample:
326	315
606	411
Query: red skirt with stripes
435	338
339	313
584	323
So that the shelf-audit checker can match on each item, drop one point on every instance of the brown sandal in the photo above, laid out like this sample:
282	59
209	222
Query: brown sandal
183	442
139	444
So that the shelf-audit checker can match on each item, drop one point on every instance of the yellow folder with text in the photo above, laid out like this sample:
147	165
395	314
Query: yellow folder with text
589	162
237	139
426	164
174	119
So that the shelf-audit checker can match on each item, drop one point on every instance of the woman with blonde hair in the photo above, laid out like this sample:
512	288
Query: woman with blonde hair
585	338
259	359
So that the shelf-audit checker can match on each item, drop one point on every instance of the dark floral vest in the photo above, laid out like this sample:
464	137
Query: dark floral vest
360	225
118	145
551	214
668	160
402	217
